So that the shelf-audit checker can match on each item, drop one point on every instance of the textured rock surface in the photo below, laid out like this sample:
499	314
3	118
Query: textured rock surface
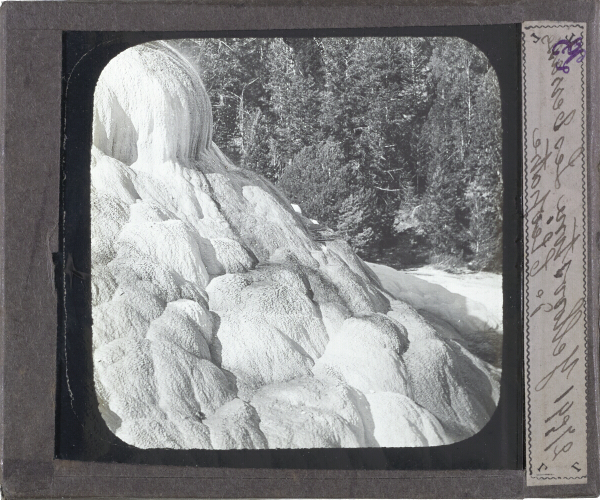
219	323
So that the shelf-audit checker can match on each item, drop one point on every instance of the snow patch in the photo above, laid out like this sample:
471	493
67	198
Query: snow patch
473	318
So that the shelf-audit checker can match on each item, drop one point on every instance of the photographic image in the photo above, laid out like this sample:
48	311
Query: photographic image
296	242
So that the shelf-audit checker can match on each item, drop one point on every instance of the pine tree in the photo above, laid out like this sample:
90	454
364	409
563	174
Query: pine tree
459	152
356	222
392	141
318	181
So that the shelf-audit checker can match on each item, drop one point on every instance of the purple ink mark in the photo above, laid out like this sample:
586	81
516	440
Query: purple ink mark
573	48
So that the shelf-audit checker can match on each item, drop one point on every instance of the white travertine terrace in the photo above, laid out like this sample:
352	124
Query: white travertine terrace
219	323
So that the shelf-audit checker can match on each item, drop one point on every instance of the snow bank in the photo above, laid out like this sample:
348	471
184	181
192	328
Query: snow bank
219	323
473	317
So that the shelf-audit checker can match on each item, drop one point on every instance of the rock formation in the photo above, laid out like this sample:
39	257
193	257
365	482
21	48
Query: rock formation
219	322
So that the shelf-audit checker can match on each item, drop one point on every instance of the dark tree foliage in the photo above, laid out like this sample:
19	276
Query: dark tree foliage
459	152
318	173
394	143
308	58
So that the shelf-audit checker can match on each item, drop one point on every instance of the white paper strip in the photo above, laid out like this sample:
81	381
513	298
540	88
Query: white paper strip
555	288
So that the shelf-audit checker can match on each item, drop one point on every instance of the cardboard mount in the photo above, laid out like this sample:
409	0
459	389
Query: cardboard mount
31	86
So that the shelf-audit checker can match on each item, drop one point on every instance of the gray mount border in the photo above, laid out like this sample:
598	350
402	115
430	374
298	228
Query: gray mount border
30	124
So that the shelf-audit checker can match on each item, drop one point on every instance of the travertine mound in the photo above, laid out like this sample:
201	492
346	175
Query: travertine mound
219	323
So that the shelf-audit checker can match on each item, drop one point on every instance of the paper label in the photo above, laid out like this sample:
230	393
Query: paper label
555	239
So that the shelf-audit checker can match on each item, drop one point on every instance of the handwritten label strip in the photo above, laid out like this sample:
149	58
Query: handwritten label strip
555	287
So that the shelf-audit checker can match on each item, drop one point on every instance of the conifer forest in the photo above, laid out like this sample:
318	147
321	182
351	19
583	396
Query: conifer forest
392	143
